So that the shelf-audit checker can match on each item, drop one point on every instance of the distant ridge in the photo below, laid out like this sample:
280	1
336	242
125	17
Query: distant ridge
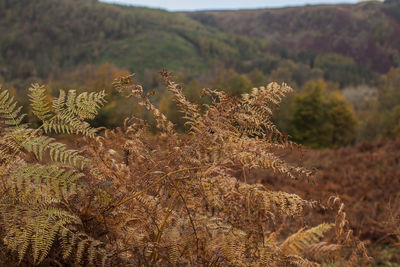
194	7
368	32
45	37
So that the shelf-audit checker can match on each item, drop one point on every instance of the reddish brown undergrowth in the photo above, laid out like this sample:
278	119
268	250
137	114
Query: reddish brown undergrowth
367	179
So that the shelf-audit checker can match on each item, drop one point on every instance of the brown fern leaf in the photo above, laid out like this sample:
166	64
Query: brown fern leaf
298	242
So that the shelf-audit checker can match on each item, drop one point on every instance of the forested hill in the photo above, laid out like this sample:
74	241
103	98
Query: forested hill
46	36
368	32
42	38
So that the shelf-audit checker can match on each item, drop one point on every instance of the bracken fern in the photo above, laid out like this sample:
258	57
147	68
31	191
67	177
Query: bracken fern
133	198
35	203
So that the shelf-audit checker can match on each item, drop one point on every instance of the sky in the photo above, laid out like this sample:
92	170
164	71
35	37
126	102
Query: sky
179	5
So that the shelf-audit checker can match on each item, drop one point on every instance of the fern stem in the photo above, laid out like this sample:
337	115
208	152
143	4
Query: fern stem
109	209
188	212
169	210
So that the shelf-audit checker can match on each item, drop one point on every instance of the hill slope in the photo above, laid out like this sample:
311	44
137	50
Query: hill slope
368	32
43	38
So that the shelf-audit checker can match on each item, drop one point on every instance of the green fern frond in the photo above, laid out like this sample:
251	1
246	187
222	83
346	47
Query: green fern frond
34	229
73	241
87	105
58	103
39	102
68	111
28	226
9	112
57	151
38	145
44	181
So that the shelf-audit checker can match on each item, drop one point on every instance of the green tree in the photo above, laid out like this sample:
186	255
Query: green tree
257	78
232	82
310	125
322	119
389	90
295	74
342	119
388	103
338	68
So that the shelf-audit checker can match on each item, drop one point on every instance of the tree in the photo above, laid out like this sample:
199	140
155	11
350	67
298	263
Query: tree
342	118
322	119
388	103
257	78
232	82
338	68
389	93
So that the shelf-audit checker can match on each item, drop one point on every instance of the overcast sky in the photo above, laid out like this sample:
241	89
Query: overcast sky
175	5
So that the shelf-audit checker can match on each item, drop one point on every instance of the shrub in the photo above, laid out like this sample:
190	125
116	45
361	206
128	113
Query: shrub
322	119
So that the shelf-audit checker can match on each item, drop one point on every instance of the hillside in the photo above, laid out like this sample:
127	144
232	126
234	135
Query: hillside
346	43
368	32
43	37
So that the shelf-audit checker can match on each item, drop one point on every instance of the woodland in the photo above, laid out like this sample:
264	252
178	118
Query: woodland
132	136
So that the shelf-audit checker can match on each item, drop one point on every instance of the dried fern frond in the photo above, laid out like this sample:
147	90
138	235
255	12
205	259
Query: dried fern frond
297	261
220	190
191	110
323	251
131	198
232	134
359	256
298	242
136	90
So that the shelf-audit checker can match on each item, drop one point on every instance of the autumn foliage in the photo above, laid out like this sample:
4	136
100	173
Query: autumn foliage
127	197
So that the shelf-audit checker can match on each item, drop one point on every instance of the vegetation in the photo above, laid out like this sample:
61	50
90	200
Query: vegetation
322	119
366	33
366	178
125	173
129	198
101	41
381	112
36	41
